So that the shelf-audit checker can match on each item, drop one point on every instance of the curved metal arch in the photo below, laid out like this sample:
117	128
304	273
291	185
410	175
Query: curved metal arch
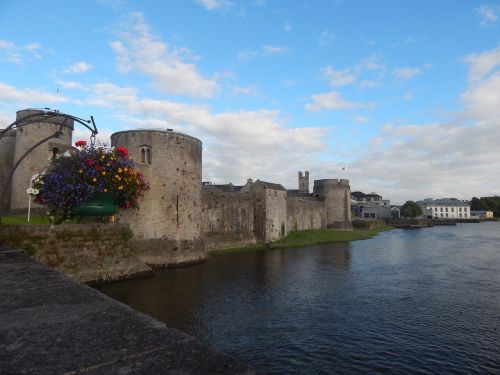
47	114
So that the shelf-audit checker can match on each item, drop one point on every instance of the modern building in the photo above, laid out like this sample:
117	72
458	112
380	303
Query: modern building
445	208
370	206
481	215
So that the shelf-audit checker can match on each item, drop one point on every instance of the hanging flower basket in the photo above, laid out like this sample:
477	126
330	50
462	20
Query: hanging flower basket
89	182
99	205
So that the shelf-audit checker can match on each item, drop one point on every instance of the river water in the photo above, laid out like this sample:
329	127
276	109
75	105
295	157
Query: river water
406	301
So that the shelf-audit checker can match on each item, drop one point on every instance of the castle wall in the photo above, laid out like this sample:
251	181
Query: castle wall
227	219
275	220
27	135
7	148
305	213
168	225
88	253
337	196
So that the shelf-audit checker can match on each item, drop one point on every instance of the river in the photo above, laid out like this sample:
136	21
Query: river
407	301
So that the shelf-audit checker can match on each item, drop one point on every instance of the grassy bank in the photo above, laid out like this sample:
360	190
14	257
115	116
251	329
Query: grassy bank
307	238
23	219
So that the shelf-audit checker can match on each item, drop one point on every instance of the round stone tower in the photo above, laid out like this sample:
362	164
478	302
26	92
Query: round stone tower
7	148
27	135
167	225
337	196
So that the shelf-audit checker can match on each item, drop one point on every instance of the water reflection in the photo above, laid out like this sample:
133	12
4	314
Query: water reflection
403	302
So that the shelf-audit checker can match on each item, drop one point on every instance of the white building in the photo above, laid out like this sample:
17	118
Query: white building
445	208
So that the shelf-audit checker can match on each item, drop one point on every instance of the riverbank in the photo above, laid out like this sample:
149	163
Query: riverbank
307	238
51	324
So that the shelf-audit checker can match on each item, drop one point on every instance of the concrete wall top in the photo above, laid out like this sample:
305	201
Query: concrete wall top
42	116
158	131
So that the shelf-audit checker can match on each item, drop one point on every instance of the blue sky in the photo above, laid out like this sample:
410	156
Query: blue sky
406	95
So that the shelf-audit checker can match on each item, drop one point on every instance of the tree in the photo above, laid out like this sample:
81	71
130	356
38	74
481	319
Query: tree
411	209
477	204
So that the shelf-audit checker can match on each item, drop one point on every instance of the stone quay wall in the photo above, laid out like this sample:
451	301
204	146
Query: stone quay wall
53	325
88	253
227	219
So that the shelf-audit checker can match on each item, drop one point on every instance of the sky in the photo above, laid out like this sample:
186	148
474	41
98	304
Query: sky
400	97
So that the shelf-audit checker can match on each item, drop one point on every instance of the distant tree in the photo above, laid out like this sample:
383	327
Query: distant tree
477	204
411	209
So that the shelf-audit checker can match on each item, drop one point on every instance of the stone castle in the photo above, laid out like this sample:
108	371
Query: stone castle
181	218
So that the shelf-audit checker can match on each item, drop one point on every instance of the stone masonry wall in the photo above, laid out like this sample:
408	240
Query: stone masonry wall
7	149
27	135
305	213
276	215
88	253
227	219
167	226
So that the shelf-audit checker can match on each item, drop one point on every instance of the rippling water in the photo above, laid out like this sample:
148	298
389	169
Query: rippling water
406	301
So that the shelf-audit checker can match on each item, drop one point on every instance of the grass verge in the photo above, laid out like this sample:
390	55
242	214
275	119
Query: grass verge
23	219
307	238
34	219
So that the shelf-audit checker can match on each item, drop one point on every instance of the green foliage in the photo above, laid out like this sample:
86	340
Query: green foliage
486	204
477	204
411	209
307	238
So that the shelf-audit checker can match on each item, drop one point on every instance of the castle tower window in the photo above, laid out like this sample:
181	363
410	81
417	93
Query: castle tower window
55	152
145	151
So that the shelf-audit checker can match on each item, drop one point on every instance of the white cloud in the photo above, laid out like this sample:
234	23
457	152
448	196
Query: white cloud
488	14
326	38
408	95
247	55
351	75
359	119
440	159
339	78
332	101
140	50
275	50
214	4
17	54
77	68
369	84
253	139
405	73
482	64
249	90
482	101
28	97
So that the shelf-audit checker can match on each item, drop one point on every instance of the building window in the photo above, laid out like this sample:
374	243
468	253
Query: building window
441	215
145	151
446	211
459	215
55	152
441	211
453	209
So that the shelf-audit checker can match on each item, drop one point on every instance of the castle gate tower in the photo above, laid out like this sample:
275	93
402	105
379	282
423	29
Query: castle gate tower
337	196
26	136
167	225
304	182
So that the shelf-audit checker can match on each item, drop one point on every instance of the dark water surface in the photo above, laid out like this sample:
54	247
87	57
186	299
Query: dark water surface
407	301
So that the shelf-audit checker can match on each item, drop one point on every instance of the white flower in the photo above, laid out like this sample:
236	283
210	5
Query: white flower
32	191
66	154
